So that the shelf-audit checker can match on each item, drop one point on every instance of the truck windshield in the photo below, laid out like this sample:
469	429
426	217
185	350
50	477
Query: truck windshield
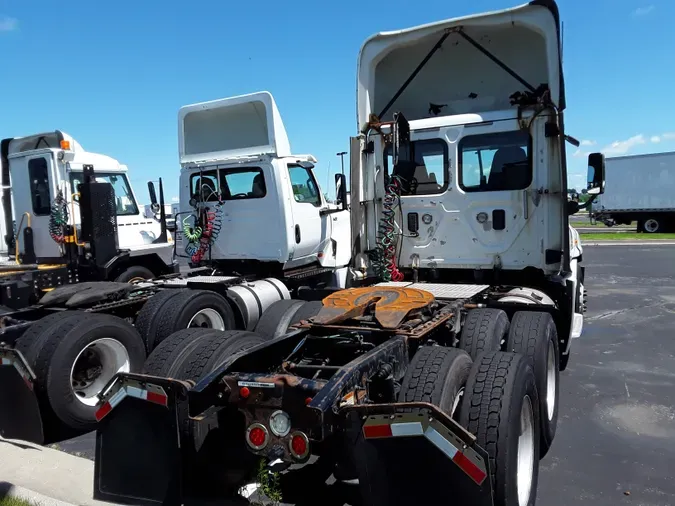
124	198
495	162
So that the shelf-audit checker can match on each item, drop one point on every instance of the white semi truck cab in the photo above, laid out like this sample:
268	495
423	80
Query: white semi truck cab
247	203
41	174
459	172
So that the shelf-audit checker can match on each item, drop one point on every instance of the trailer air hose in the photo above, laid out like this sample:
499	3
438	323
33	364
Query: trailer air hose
58	218
200	239
384	260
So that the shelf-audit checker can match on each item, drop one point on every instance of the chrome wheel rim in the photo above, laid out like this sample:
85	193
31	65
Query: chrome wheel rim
208	319
94	366
550	383
651	225
525	452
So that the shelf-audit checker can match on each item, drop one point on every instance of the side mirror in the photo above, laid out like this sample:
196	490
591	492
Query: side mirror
341	190
403	164
596	174
153	197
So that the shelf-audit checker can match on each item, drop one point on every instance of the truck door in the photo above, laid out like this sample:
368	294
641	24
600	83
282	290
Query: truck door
309	233
33	190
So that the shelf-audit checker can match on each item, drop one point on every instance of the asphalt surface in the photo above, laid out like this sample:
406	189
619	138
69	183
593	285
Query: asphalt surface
616	431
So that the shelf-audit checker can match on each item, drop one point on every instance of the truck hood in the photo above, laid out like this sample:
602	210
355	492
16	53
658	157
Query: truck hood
459	78
230	128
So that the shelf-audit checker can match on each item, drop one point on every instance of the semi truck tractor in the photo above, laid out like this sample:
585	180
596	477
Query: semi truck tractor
640	188
433	376
253	223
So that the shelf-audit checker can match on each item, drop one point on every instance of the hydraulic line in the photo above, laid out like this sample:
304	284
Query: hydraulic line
58	218
385	257
201	238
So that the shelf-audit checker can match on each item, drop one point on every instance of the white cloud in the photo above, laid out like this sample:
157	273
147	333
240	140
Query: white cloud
8	24
175	199
643	11
618	148
623	147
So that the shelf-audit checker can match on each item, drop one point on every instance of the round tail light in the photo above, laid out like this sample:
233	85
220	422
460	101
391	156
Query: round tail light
299	445
257	436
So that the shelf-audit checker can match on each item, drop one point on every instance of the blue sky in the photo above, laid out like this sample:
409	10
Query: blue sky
113	74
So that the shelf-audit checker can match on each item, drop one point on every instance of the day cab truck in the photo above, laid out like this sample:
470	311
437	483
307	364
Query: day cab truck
433	377
253	224
639	188
41	213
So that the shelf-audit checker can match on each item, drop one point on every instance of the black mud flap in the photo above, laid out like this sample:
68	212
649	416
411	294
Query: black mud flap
138	441
417	456
20	416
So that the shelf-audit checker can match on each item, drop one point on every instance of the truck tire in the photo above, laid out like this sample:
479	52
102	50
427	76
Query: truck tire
276	319
149	316
172	349
134	273
483	330
308	310
651	225
437	375
74	356
534	334
193	308
213	350
500	404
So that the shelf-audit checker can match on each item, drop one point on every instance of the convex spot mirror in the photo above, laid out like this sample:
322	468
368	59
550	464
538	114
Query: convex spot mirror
596	174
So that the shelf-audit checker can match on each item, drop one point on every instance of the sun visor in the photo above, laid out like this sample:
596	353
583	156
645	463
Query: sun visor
245	125
459	77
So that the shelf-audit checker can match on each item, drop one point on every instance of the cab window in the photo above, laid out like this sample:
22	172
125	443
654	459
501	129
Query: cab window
228	184
38	173
305	189
124	198
431	174
495	162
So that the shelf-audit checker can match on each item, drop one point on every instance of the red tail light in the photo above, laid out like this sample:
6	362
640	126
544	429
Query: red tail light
299	445
257	436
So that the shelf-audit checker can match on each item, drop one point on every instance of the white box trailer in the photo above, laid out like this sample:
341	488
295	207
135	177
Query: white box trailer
639	188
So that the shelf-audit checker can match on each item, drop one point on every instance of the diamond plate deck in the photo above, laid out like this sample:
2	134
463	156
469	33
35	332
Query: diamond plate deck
212	279
448	291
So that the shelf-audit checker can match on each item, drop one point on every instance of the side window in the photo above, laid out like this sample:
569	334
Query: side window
495	162
38	173
305	189
207	184
244	183
431	174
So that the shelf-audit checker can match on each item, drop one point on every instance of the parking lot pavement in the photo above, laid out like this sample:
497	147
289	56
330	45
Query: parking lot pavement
616	431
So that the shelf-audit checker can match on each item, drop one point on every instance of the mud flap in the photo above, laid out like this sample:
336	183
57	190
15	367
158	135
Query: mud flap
138	441
420	457
20	416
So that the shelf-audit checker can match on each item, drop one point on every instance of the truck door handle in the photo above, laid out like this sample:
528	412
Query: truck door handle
297	234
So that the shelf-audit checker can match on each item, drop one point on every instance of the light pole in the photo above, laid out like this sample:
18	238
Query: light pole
342	154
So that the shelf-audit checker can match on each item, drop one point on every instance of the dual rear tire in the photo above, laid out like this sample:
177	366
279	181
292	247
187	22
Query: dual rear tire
532	334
